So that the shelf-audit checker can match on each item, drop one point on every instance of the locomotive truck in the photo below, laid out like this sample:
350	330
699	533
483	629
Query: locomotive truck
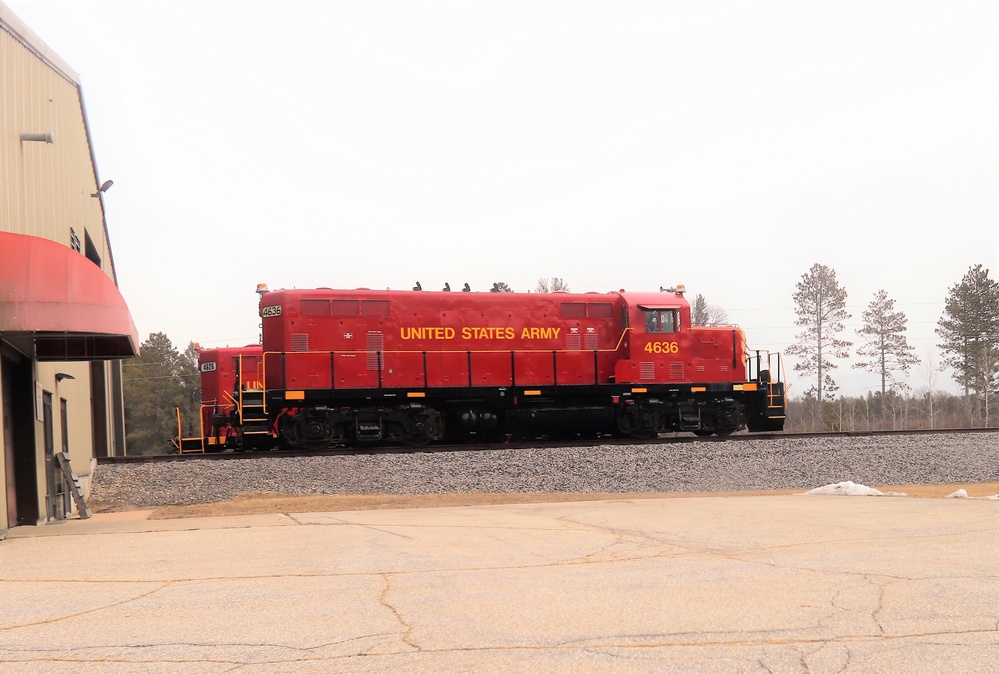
348	367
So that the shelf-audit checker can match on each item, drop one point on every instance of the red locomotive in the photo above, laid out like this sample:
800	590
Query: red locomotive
231	389
342	367
354	366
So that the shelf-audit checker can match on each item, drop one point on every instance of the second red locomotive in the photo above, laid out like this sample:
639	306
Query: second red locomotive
355	366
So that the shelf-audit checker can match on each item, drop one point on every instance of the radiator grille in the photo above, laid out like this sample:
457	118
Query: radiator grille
376	343
647	371
676	371
299	341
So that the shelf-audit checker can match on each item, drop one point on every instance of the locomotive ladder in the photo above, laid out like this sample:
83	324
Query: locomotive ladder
252	412
74	485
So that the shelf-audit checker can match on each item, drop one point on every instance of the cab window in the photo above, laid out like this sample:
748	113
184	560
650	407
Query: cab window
661	320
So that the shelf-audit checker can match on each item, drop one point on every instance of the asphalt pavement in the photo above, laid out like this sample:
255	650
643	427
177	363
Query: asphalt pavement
718	584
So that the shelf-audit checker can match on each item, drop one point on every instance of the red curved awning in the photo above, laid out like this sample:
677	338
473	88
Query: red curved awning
69	306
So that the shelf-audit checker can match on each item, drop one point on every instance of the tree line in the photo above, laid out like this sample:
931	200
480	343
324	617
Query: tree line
968	331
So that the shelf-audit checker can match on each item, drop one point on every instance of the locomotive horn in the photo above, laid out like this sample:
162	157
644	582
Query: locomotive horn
418	286
447	287
466	289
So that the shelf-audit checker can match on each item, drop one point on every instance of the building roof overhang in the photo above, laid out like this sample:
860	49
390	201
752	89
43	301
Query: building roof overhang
69	306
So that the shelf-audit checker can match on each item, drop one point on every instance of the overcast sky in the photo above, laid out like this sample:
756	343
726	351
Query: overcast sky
725	145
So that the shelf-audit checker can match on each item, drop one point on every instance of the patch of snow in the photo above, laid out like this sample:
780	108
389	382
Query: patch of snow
963	493
850	489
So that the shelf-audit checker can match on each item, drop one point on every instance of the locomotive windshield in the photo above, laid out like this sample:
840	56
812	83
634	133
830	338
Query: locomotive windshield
661	320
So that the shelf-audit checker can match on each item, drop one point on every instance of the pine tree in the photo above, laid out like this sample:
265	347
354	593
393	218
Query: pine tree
969	330
884	341
820	306
155	384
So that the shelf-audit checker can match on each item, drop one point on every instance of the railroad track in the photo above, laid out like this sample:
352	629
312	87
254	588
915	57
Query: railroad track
534	444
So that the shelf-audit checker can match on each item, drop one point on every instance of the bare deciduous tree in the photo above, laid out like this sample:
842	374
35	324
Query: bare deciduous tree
553	284
702	313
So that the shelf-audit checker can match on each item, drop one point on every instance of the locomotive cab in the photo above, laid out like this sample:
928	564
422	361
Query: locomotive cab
684	377
655	338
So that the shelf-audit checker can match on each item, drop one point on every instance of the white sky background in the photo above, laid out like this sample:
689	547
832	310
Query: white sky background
727	146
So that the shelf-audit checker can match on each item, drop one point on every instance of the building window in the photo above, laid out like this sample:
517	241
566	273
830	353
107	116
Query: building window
91	249
74	240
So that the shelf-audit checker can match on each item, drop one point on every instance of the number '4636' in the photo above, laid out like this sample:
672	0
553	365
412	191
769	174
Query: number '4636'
662	347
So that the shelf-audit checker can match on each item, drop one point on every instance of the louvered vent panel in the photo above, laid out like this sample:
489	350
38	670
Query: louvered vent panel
376	342
590	342
314	308
600	310
299	341
572	342
646	371
346	308
723	368
573	310
676	371
374	308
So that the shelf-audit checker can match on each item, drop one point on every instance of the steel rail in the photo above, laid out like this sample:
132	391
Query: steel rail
520	445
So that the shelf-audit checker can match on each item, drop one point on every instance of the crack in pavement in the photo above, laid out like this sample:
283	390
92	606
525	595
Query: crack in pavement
67	616
407	627
668	640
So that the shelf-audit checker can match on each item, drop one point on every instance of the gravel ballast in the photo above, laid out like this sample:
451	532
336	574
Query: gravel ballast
747	465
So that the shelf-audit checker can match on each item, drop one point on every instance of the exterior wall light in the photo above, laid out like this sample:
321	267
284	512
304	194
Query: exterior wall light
103	188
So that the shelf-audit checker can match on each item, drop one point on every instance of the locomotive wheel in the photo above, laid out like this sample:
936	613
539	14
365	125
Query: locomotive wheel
638	424
416	441
420	430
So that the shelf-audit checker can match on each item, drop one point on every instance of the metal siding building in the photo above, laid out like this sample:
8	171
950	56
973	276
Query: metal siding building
64	326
